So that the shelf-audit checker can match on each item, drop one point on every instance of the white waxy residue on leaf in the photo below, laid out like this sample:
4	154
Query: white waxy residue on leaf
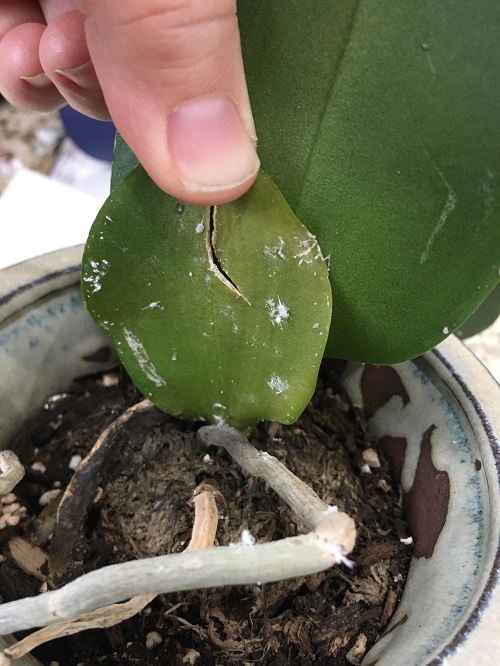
309	250
278	311
153	305
277	384
99	270
275	251
142	358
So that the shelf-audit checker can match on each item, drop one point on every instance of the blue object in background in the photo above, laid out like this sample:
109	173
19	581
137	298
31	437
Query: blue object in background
95	137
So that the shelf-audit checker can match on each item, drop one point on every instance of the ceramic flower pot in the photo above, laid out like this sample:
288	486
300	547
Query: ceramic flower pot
437	418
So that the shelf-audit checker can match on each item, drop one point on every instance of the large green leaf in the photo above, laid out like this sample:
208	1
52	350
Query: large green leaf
485	316
219	313
378	120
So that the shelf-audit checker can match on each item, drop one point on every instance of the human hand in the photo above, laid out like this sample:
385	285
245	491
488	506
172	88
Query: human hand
168	72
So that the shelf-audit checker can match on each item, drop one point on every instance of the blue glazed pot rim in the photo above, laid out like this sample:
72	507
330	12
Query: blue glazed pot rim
493	580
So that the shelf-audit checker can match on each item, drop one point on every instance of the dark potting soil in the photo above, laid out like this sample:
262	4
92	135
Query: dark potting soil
140	508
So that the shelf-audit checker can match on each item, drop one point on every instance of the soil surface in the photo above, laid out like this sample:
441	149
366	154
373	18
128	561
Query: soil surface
140	507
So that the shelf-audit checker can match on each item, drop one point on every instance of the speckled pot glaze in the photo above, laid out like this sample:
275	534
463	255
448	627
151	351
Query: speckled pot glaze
437	418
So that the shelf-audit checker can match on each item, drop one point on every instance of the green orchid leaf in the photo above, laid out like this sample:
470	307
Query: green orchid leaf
378	121
124	161
219	313
487	313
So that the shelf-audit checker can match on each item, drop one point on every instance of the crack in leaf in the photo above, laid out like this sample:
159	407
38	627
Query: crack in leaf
214	263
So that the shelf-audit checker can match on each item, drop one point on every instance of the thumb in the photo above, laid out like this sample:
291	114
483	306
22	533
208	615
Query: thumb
172	76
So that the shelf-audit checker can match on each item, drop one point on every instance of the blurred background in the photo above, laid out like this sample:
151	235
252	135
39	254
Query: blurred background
54	176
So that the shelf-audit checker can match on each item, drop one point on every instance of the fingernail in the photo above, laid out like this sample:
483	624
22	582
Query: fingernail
38	80
209	145
84	75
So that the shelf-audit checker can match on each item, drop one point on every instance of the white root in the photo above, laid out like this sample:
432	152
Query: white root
212	567
300	497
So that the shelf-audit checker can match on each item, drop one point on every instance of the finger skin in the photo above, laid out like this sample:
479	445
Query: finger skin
66	60
20	58
152	57
19	53
27	51
172	78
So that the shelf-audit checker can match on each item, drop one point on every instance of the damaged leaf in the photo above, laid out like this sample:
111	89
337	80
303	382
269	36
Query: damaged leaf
218	313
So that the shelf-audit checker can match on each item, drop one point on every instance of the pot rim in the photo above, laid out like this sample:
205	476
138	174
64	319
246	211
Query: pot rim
31	280
472	385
